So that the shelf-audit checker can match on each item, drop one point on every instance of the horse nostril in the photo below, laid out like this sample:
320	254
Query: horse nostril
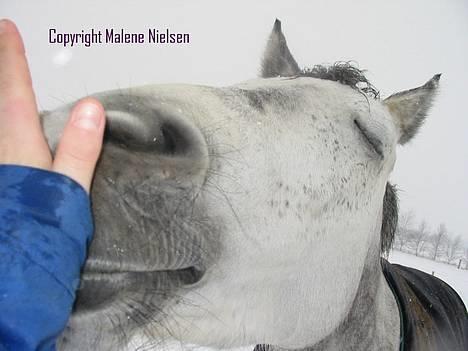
167	135
169	140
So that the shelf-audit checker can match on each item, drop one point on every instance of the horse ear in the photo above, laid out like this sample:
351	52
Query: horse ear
277	59
410	107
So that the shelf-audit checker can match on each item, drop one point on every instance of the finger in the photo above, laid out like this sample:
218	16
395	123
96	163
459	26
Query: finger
19	121
81	142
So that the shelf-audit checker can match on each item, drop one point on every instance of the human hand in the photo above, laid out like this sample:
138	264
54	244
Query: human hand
22	141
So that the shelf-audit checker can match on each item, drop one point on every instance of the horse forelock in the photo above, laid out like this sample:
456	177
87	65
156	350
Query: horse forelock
345	73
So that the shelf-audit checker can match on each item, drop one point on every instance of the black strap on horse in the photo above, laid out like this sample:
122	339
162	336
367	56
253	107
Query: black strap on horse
433	317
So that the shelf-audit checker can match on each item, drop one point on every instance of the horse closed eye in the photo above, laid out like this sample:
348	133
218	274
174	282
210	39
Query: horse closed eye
371	140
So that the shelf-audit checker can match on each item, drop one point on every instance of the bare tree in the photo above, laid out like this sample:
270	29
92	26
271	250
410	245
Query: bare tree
466	256
439	240
419	237
453	248
403	232
420	242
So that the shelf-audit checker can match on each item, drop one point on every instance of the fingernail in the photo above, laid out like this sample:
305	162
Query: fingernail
3	25
87	116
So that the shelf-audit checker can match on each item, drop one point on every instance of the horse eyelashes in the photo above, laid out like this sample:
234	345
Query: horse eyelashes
371	140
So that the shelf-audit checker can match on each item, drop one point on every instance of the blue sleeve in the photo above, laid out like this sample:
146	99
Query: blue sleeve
45	227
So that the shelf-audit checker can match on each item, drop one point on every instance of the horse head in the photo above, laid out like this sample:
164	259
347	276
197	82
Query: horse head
254	213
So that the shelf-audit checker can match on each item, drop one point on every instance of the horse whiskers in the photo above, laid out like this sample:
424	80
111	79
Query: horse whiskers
147	321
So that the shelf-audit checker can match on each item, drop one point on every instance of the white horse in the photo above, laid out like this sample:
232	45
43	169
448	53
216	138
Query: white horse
251	214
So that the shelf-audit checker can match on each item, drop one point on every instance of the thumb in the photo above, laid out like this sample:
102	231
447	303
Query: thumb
81	142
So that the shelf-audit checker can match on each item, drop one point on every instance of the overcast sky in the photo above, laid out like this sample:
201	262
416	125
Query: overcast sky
401	43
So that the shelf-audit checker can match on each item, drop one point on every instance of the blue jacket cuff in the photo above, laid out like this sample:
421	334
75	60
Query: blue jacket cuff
45	228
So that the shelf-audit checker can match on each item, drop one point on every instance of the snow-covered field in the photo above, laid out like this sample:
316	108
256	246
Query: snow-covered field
456	278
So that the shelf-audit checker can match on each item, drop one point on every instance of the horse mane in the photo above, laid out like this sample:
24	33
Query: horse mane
389	218
344	72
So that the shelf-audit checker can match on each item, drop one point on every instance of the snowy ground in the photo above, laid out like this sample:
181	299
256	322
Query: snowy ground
456	278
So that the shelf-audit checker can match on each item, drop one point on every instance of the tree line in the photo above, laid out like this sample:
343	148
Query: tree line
438	245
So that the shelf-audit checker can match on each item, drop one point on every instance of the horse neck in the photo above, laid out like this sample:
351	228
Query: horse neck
373	322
